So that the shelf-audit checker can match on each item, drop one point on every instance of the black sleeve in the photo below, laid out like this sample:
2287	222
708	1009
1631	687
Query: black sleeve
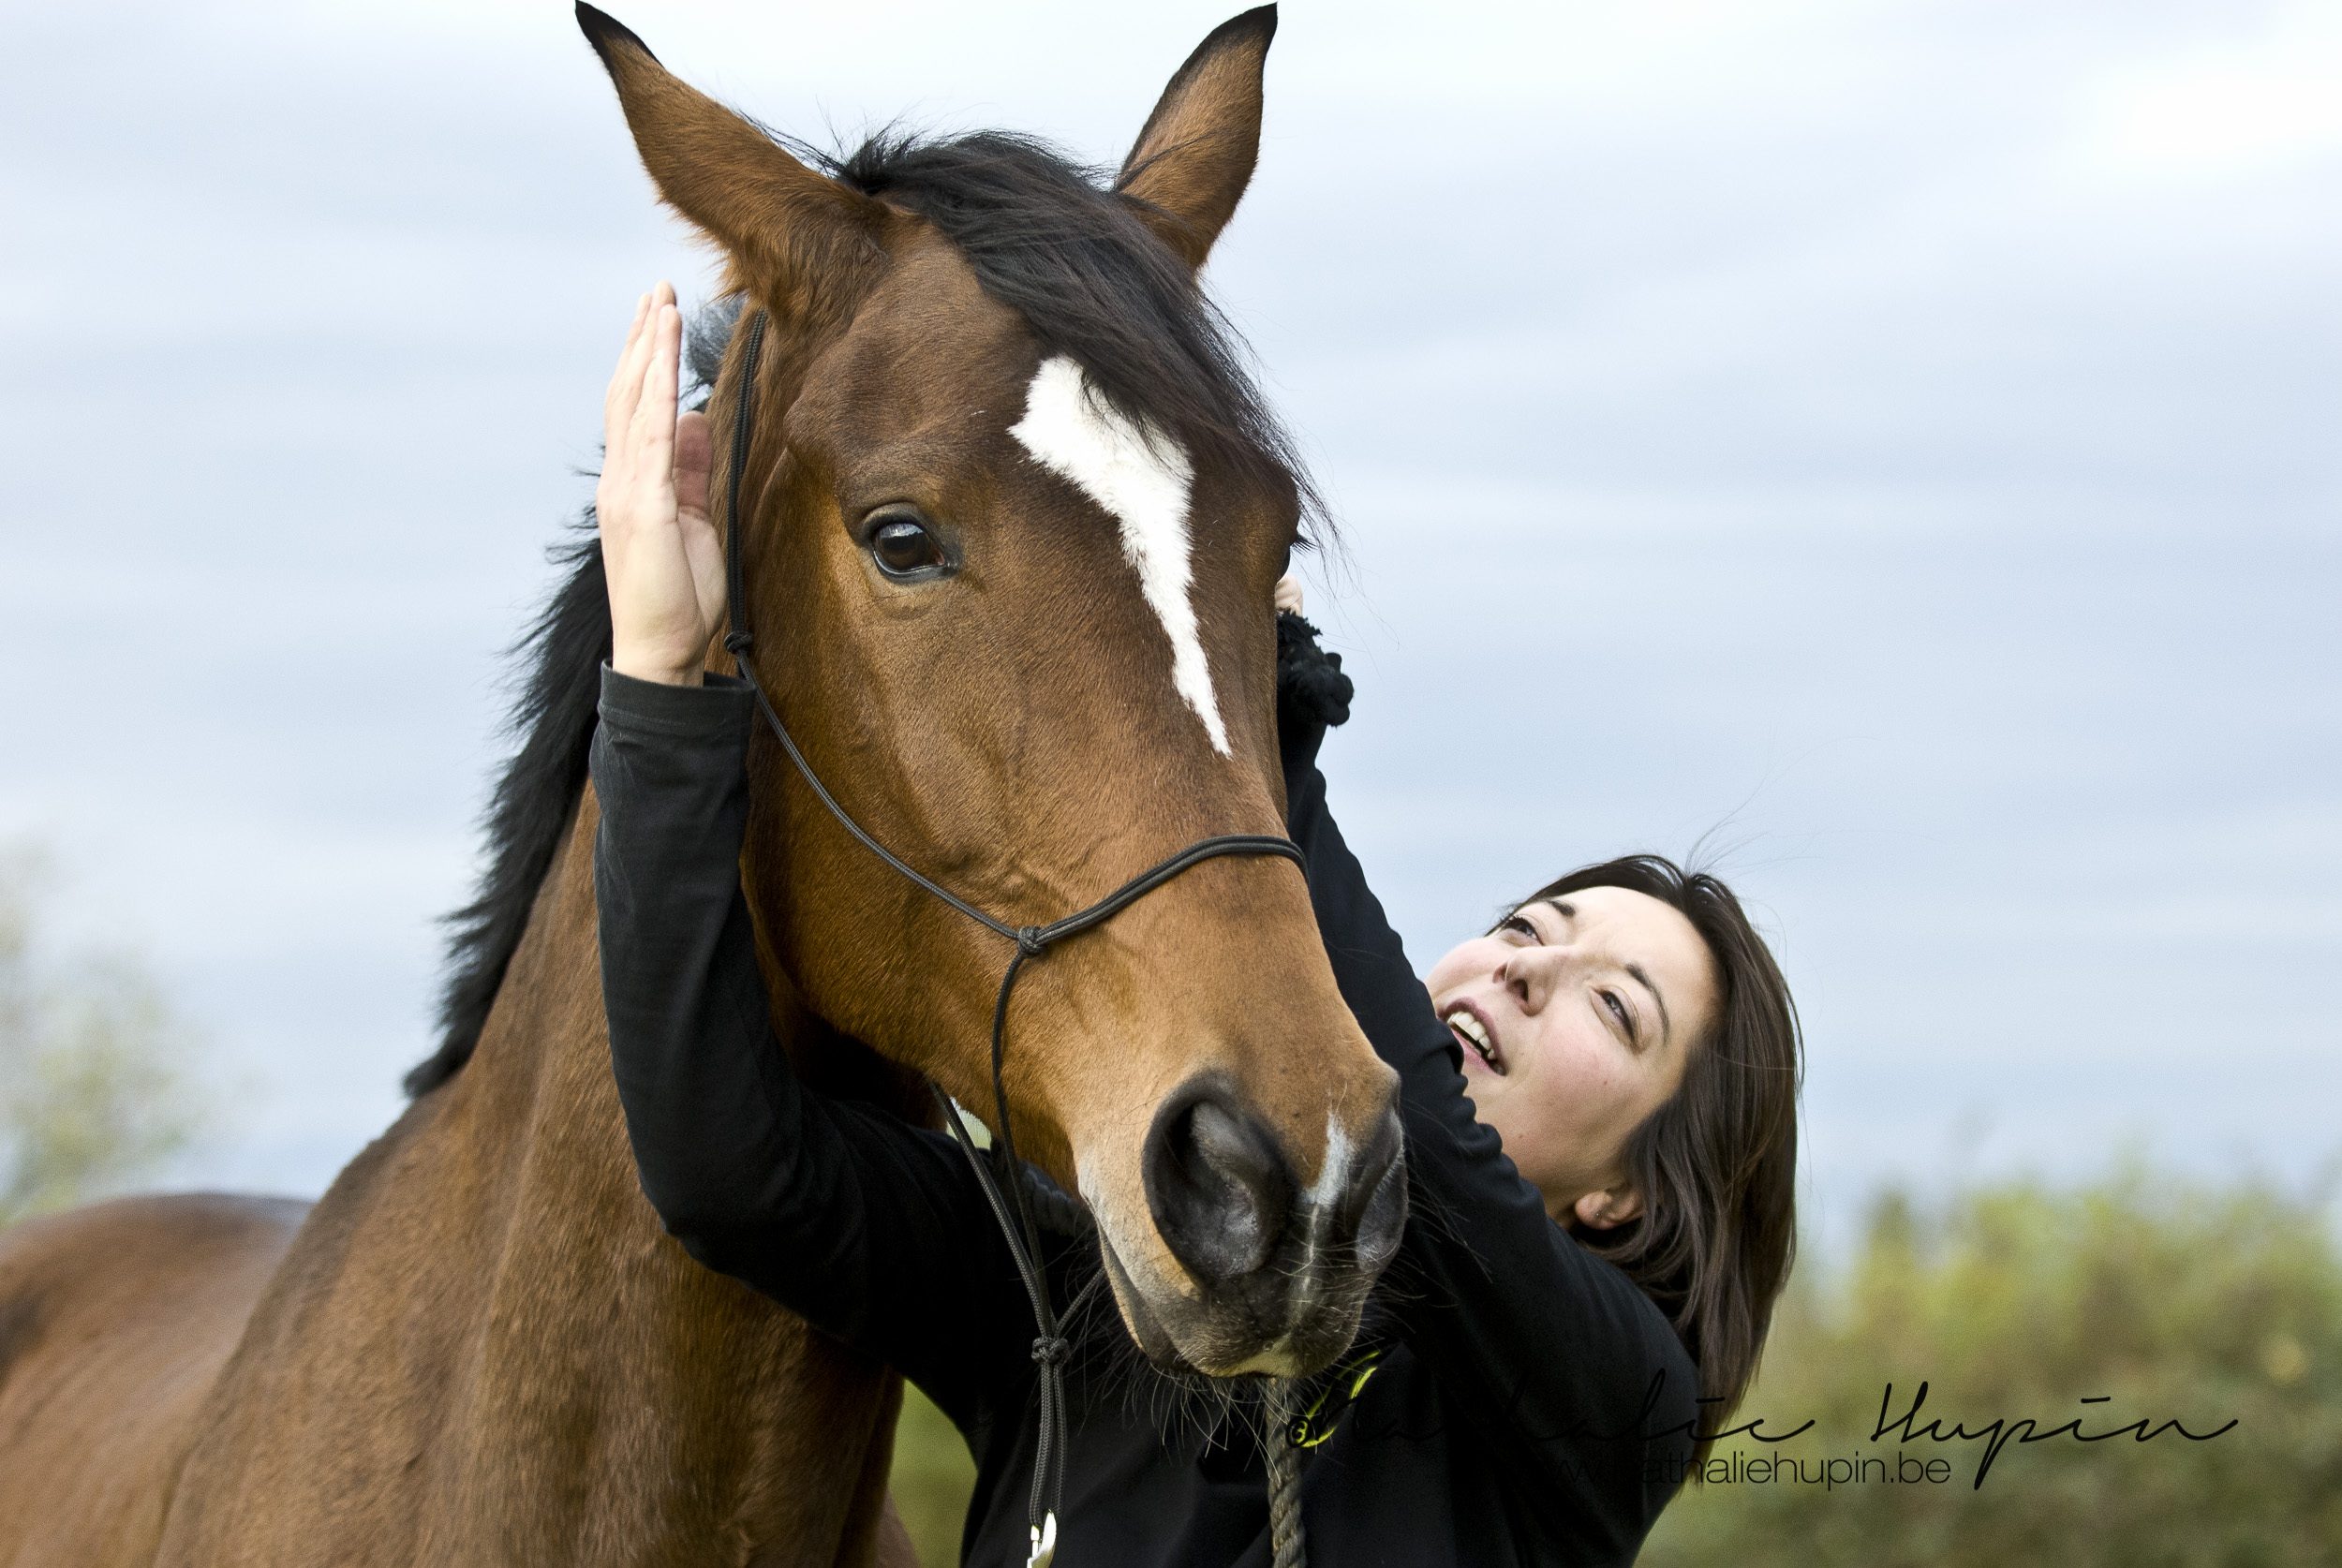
1575	1376
872	1229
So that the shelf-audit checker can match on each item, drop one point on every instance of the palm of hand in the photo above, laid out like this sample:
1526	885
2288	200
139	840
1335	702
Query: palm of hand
660	555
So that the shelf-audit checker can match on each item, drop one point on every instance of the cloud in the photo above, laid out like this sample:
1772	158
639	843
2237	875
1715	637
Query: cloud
2218	111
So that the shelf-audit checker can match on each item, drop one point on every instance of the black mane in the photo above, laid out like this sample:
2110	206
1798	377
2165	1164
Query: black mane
1045	237
556	715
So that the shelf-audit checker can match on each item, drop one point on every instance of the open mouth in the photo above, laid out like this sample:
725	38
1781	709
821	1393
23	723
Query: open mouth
1473	1031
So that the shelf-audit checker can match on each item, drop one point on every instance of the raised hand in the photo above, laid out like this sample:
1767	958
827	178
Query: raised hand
658	549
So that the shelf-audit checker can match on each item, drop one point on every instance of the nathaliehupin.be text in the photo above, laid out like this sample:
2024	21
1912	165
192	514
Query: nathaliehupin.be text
1737	1468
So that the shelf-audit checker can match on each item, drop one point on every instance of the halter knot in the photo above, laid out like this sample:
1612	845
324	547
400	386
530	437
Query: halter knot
738	642
1029	941
1051	1351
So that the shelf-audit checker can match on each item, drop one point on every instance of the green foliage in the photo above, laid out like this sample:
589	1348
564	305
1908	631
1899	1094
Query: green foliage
91	1099
2016	1302
932	1481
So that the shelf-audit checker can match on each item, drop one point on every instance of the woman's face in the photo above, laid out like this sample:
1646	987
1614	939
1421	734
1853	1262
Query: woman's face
1576	1017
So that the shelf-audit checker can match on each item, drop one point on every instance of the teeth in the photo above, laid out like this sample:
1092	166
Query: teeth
1463	1023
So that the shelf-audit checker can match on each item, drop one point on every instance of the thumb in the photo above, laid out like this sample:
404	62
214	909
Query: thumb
694	457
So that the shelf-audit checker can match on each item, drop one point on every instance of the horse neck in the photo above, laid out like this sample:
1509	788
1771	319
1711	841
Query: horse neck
602	1368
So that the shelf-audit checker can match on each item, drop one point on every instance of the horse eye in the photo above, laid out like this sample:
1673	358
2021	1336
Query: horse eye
903	547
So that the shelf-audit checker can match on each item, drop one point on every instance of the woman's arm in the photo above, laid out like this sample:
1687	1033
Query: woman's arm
1573	1373
855	1220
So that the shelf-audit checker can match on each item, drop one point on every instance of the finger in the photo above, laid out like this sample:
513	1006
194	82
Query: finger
644	343
638	352
633	335
655	414
625	385
648	351
634	328
666	362
667	357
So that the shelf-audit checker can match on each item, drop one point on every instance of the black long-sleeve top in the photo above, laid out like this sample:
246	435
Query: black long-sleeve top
1523	1403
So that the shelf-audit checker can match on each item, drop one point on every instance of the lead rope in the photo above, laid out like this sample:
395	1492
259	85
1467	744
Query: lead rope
1050	1349
1287	1545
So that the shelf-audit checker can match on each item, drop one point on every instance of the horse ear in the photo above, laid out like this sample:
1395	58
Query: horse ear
1195	154
798	239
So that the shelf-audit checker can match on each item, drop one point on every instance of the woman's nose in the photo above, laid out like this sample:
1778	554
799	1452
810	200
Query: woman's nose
1530	975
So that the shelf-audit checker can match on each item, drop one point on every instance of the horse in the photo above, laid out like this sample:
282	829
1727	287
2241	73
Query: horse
480	1346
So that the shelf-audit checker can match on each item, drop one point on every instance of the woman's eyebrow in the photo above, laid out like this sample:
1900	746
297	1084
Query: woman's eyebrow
1667	1024
1635	971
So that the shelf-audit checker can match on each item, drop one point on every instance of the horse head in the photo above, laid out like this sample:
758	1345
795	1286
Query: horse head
1012	514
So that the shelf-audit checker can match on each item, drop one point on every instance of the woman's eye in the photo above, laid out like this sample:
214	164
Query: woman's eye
904	546
1519	925
1619	1011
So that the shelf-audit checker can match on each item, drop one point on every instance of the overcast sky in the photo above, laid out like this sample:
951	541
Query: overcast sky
1891	444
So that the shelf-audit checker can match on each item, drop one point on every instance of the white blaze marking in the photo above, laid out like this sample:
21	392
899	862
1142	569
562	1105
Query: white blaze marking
1335	1173
1144	483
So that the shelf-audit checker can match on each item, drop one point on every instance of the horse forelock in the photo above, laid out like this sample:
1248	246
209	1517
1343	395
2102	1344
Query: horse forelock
1050	240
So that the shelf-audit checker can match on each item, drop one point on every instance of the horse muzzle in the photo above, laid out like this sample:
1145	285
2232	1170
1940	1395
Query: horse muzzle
1274	1275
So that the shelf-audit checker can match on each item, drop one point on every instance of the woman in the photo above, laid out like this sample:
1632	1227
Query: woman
1599	1098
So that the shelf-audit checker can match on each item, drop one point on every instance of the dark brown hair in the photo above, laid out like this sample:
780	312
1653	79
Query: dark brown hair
1717	1164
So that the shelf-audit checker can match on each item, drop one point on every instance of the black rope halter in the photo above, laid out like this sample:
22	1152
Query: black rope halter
1049	1347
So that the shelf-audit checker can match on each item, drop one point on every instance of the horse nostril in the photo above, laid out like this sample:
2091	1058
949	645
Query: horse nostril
1219	1186
1375	1209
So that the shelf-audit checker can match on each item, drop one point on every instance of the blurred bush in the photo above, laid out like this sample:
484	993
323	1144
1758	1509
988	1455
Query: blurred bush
2169	1299
92	1097
932	1480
